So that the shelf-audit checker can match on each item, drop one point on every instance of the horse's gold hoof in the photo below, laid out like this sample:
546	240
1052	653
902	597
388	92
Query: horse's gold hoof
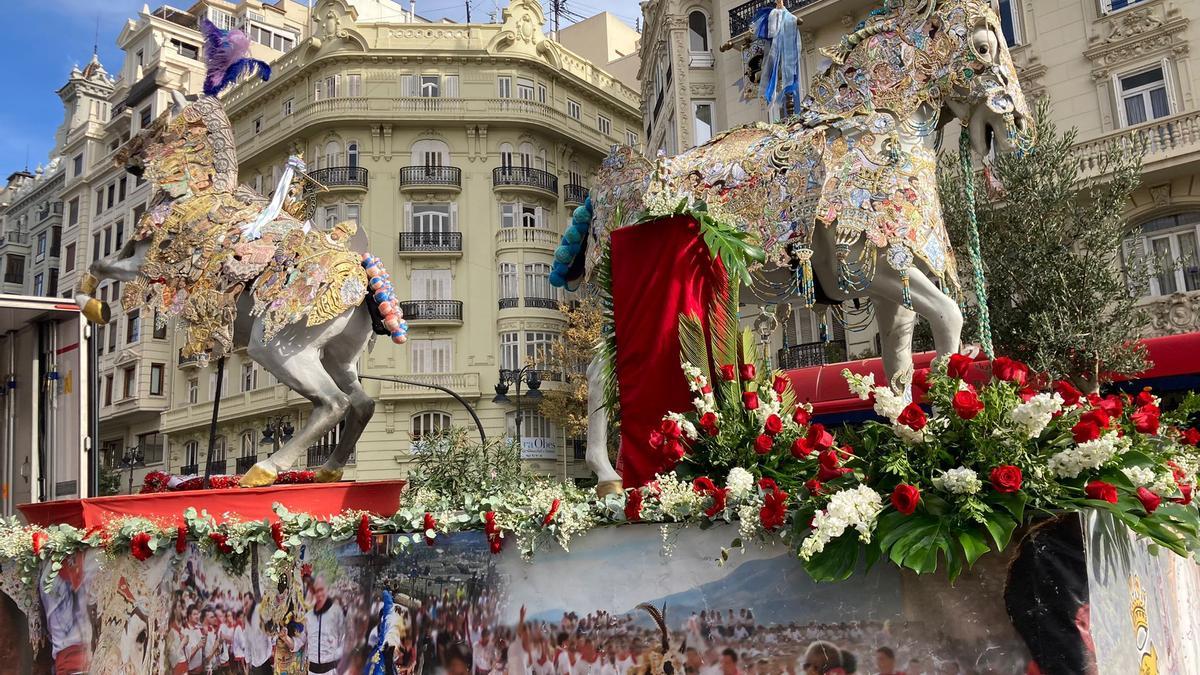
609	487
257	476
97	311
328	475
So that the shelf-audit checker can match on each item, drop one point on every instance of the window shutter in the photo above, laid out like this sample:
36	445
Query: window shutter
406	85
453	216
537	218
408	218
1169	82
1118	100
451	86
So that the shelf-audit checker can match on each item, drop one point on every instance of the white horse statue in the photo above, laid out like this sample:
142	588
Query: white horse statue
234	270
844	193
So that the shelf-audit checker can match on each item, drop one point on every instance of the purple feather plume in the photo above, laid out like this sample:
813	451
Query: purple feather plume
226	55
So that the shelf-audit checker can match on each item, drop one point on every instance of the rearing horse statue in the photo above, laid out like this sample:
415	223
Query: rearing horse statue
844	193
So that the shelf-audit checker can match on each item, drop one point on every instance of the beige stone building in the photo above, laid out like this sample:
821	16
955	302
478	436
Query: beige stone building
1110	68
462	150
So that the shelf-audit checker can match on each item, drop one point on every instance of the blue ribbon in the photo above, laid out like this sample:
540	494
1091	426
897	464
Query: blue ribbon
782	64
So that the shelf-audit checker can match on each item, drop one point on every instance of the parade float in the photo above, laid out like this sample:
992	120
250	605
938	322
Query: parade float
986	520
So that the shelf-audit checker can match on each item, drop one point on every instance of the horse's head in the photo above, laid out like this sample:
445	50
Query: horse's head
188	149
926	53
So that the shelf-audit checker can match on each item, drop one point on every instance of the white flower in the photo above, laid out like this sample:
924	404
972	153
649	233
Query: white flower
740	483
1139	475
960	481
908	433
861	385
888	403
851	508
1032	416
1088	455
689	429
676	498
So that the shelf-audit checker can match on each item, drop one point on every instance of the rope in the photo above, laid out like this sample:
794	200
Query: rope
968	173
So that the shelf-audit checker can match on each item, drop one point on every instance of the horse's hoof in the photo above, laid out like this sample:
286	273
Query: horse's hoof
97	311
609	487
258	476
328	475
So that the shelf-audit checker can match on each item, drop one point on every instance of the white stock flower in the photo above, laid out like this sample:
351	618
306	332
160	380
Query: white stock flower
861	385
856	508
689	429
960	481
740	483
1087	455
1032	416
888	403
1139	475
908	433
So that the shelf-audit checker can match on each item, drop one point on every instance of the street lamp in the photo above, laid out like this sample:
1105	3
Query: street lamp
278	430
530	378
132	459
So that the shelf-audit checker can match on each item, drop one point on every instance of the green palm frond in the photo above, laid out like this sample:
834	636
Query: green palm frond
693	348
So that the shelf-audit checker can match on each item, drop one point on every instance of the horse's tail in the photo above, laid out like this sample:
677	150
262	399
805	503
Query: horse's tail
386	315
571	255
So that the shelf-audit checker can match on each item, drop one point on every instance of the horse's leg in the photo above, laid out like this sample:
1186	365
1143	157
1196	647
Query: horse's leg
340	358
896	323
123	266
607	479
294	358
939	309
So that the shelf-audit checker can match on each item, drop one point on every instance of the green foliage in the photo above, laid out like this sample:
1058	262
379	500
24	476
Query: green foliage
110	481
451	463
1051	245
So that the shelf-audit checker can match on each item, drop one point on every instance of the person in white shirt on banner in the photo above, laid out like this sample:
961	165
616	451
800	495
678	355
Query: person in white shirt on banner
326	629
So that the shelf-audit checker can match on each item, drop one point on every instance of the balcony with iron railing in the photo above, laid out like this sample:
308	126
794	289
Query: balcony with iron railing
741	16
811	354
509	303
431	243
574	194
244	463
433	311
431	178
218	466
542	303
341	177
189	469
524	178
188	361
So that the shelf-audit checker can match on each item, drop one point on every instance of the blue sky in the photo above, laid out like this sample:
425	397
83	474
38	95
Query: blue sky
47	37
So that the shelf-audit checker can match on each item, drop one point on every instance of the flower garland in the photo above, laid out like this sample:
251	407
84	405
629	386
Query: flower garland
161	481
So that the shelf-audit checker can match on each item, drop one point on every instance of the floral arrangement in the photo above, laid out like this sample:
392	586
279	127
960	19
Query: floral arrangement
161	481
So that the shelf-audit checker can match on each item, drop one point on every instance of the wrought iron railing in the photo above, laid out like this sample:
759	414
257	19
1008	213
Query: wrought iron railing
341	176
430	175
246	462
189	469
508	303
579	445
430	242
542	303
522	176
574	194
188	360
741	16
811	354
432	310
217	466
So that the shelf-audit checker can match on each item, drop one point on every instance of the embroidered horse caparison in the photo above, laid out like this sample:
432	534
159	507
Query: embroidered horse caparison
844	193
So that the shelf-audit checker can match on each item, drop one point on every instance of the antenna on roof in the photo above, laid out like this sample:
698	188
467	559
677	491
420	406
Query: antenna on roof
96	39
468	3
26	158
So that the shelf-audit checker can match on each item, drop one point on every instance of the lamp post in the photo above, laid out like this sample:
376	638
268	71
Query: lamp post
530	378
132	459
277	431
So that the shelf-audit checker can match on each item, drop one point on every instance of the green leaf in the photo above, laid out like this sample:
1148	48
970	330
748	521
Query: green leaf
973	544
1014	503
837	561
1001	528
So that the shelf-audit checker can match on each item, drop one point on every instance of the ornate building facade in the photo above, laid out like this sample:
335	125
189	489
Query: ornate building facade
1110	67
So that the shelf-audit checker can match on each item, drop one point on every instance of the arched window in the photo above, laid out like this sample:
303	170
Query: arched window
352	153
697	32
526	152
431	217
541	160
333	154
1170	247
506	155
249	448
218	452
431	152
573	175
429	422
191	452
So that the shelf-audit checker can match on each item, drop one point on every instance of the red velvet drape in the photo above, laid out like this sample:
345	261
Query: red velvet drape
660	270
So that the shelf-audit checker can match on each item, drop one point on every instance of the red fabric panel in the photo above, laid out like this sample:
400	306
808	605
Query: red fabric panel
319	499
659	270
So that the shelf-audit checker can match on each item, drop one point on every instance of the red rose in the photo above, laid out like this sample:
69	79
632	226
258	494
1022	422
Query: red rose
830	466
780	384
829	459
1097	417
1146	419
363	534
819	438
495	541
1192	436
825	474
750	400
1010	370
1067	391
428	524
1098	489
704	485
774	510
39	539
773	425
728	373
967	404
139	546
905	498
1027	394
1177	472
1085	431
706	389
181	534
633	505
912	417
551	513
708	422
673	450
277	534
221	541
814	486
959	366
1144	397
747	371
670	429
1149	500
657	440
1186	490
920	384
802	417
1112	405
763	444
801	449
1006	478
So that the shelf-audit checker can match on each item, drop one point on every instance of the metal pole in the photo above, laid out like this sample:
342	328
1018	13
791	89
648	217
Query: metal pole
212	427
520	377
455	396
